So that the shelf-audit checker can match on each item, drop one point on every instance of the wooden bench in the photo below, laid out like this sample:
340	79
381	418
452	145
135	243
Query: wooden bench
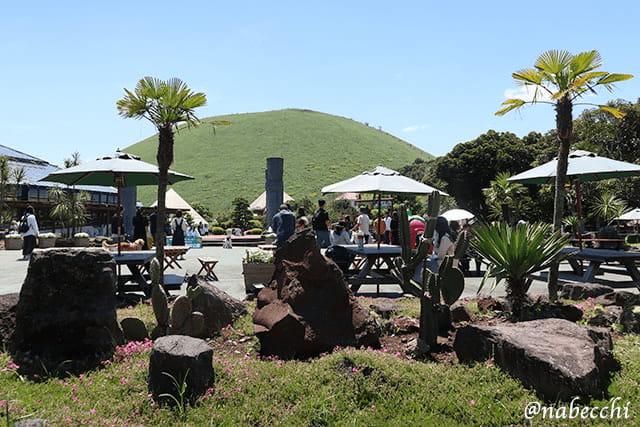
207	265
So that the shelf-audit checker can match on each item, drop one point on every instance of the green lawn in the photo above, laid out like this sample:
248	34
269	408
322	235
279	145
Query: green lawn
321	391
318	149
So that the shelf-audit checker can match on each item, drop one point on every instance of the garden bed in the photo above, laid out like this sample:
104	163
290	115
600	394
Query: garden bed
378	385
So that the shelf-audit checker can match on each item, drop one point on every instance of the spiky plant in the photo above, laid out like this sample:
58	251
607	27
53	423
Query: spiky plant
514	253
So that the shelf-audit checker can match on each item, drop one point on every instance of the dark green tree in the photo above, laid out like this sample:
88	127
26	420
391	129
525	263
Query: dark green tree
471	166
241	214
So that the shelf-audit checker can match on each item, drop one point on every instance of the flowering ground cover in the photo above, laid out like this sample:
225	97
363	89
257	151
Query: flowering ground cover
348	386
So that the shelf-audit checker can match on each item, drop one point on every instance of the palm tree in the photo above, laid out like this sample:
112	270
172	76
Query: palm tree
165	104
69	207
559	78
505	197
608	207
515	253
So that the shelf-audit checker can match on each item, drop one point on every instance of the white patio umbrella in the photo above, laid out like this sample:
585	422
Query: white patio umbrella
632	215
380	181
583	166
458	215
114	170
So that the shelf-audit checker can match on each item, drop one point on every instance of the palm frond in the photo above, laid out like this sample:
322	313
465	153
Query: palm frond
553	61
511	104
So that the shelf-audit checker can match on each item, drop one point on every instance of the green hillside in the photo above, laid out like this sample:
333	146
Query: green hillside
318	149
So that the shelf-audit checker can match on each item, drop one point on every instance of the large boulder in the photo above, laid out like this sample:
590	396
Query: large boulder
556	357
218	307
176	360
624	299
308	308
66	317
8	305
580	290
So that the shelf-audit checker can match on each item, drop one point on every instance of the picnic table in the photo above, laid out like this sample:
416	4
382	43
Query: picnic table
135	262
597	257
373	265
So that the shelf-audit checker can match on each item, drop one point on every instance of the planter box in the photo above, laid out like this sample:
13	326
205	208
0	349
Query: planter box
80	241
46	242
257	273
13	244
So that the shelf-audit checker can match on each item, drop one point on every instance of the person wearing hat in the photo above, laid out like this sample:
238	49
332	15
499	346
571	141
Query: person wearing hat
284	224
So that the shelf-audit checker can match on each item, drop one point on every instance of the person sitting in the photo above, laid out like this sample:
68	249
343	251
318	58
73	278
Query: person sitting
192	231
125	246
302	223
442	244
339	236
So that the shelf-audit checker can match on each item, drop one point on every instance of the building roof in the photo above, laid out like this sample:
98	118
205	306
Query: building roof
260	203
36	169
174	201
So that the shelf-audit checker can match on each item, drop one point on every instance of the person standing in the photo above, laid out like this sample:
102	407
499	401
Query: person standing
395	228
379	228
140	223
178	228
387	231
29	235
321	224
284	224
362	224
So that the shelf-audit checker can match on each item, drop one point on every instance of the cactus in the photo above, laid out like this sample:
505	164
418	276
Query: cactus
445	286
181	319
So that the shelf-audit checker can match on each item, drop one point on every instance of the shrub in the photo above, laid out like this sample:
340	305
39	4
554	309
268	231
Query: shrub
633	238
258	256
255	223
255	231
217	230
80	235
13	236
46	236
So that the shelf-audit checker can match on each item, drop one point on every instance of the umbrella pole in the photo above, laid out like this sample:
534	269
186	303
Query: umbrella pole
379	209
579	210
119	220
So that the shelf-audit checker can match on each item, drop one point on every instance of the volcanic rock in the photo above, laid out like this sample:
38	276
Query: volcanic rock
556	357
66	317
308	308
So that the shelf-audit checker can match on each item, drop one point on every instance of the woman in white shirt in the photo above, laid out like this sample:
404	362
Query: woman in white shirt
339	237
443	244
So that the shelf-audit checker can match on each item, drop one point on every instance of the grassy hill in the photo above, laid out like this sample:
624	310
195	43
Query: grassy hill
318	149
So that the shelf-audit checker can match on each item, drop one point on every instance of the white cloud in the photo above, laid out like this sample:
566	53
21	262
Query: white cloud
526	94
414	128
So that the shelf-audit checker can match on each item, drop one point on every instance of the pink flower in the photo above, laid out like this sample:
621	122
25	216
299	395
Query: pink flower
373	406
93	411
473	402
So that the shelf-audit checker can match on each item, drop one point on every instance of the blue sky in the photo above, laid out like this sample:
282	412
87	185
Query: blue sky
432	73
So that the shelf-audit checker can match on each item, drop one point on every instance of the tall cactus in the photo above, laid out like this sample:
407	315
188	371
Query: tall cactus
446	285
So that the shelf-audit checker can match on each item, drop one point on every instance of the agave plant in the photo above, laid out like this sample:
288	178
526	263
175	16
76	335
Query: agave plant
515	253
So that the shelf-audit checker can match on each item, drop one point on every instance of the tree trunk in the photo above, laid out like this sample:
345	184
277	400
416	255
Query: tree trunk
164	158
564	128
517	296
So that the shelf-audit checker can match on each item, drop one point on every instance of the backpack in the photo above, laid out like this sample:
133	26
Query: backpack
318	220
24	224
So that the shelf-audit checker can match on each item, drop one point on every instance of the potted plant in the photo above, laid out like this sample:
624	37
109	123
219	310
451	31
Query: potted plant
46	240
81	239
13	242
257	268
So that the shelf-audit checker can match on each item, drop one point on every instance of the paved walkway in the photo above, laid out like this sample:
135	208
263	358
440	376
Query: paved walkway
229	271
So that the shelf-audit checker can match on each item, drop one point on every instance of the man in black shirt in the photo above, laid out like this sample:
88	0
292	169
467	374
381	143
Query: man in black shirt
321	224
